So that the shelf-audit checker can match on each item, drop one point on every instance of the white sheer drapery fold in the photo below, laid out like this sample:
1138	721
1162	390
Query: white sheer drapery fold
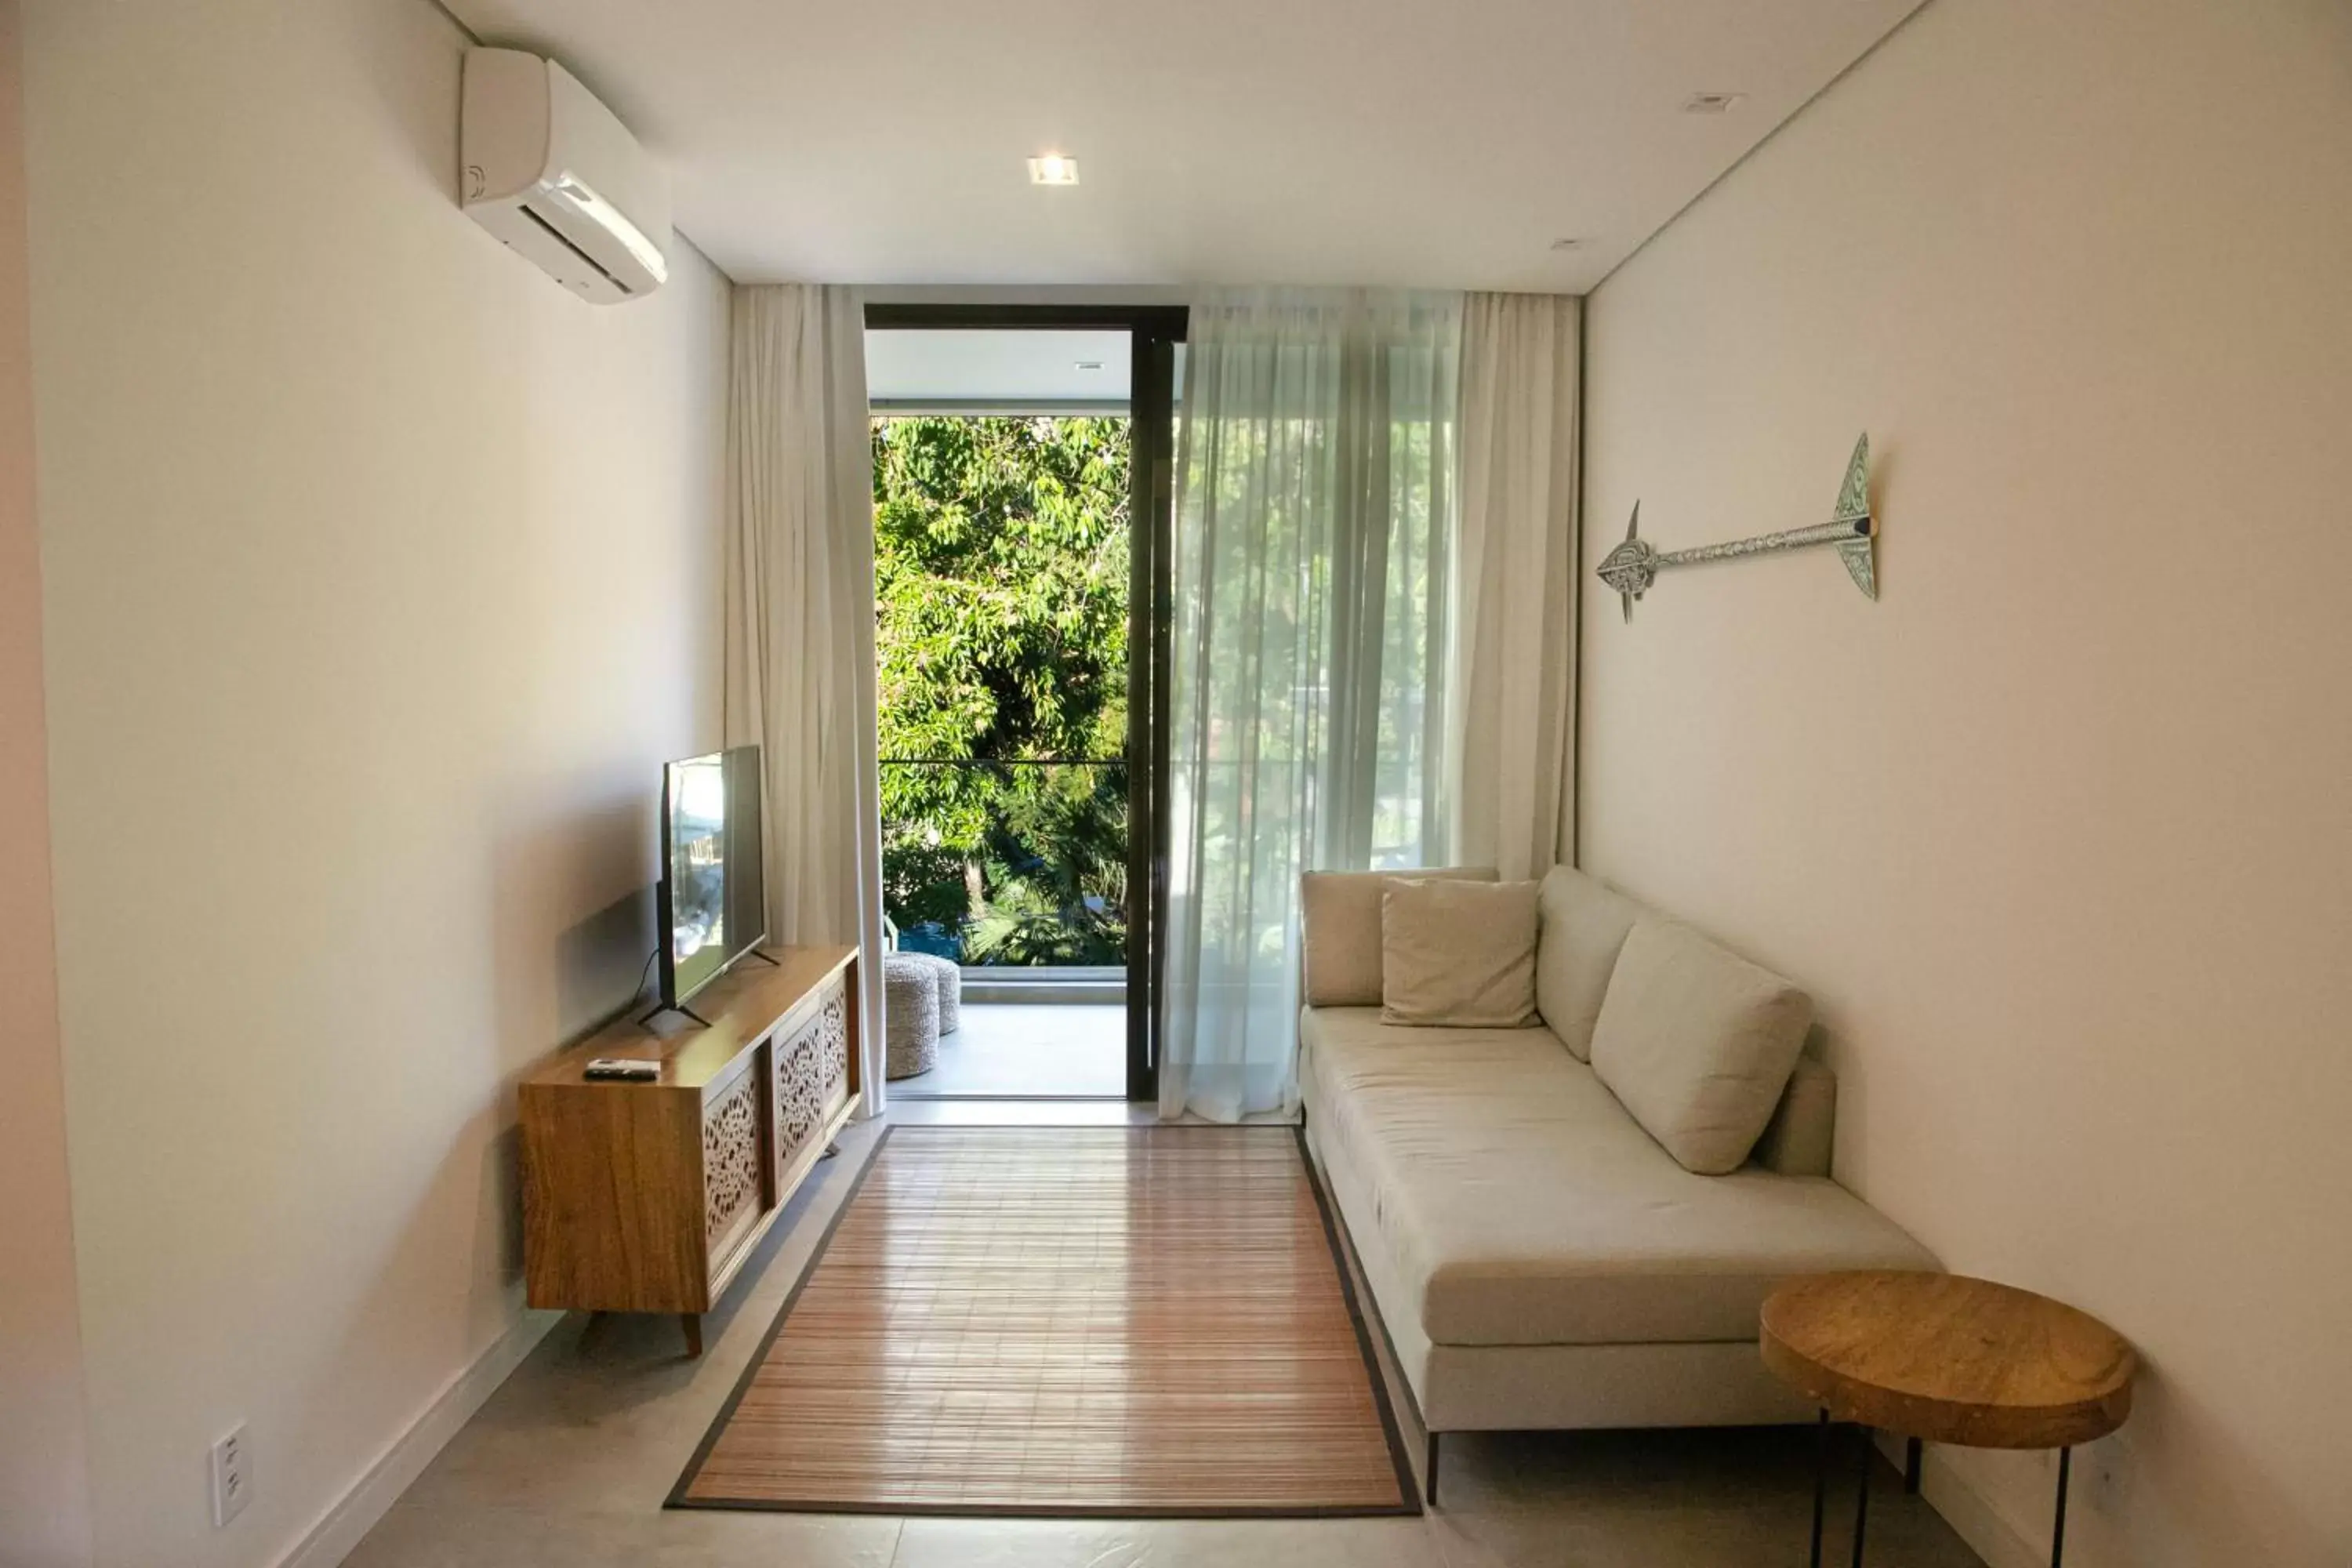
1510	750
1314	543
800	620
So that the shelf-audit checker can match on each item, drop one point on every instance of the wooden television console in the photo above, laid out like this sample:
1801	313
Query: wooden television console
647	1197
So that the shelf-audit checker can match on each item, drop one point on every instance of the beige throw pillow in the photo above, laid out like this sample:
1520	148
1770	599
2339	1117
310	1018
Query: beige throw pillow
1458	953
1696	1043
1340	940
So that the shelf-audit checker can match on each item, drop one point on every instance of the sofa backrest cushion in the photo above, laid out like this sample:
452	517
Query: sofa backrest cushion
1584	922
1802	1133
1458	954
1697	1043
1341	943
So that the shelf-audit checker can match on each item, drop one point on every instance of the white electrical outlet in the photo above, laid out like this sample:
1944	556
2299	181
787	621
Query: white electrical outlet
232	1476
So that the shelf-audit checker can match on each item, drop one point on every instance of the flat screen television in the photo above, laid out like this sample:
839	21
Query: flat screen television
712	900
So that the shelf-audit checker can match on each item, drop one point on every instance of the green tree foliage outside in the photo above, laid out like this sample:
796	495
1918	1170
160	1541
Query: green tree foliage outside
1000	578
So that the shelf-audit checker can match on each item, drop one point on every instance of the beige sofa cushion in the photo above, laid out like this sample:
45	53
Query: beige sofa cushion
1458	952
1584	923
1697	1043
1518	1203
1340	940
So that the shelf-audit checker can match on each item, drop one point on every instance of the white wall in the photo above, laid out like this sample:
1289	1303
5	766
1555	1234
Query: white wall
44	1479
2060	831
381	573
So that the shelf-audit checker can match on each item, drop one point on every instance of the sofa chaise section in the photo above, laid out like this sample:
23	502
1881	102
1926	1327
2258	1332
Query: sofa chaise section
1536	1258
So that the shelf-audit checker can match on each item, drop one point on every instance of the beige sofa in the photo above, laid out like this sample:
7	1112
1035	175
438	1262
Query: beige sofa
1537	1258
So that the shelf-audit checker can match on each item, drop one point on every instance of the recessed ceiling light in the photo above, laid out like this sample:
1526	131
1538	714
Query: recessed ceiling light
1089	364
1053	169
1711	102
1568	245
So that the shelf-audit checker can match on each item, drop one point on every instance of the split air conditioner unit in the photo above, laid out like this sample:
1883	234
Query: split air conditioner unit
550	172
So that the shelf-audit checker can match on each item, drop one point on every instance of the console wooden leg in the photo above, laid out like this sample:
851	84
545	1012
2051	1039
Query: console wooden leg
692	1323
1911	1462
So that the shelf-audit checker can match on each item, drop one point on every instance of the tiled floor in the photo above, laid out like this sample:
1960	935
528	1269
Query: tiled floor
569	1461
1013	1049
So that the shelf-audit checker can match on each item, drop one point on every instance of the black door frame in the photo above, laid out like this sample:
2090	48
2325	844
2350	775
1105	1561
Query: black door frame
1154	331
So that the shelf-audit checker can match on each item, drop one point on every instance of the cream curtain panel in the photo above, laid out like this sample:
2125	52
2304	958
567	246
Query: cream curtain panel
1312	571
1510	746
800	620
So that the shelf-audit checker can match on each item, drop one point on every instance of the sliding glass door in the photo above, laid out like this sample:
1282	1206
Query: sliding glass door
1157	376
1022	472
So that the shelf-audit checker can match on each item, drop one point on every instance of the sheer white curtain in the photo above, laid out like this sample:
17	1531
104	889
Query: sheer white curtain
800	620
1511	733
1314	528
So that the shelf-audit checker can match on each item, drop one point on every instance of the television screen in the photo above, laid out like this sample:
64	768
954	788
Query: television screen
713	894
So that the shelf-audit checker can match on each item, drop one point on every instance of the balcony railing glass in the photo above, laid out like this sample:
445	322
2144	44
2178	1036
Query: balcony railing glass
1015	863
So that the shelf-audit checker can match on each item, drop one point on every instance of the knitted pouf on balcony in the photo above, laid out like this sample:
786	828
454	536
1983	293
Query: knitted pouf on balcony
950	978
910	1014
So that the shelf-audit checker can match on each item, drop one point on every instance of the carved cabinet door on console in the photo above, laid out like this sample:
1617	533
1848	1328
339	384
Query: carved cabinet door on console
739	1181
811	1085
648	1197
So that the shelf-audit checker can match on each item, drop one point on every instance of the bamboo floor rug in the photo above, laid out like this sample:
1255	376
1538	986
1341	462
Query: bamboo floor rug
1066	1321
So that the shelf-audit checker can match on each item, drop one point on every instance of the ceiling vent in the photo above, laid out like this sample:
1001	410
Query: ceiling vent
1711	102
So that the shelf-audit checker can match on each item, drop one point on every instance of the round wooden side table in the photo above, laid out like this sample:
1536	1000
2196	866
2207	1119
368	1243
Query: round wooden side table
1946	1359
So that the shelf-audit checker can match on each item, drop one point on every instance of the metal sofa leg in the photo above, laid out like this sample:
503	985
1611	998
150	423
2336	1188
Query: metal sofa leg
1429	1486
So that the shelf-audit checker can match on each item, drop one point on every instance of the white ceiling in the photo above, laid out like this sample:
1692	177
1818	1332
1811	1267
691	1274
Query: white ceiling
1382	142
969	366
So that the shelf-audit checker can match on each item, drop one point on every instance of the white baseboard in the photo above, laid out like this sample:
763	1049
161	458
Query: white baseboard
1989	1534
352	1515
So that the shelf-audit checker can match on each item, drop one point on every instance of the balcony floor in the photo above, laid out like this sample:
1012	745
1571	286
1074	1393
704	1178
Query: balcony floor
1024	1051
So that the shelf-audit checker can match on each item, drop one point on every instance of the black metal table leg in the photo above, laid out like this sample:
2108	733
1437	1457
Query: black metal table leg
1913	1463
1862	1493
1821	1482
2058	1530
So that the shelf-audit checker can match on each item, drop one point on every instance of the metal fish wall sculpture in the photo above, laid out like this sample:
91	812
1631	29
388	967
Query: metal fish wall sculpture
1633	565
